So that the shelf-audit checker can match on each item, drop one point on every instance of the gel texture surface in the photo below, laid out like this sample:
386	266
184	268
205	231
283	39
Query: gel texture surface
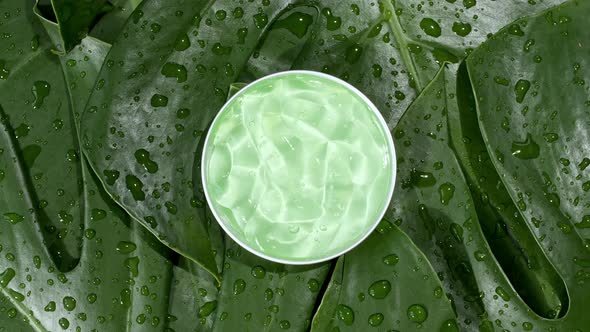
298	167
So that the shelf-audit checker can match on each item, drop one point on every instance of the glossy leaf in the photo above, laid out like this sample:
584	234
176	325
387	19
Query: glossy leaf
172	65
541	153
385	283
258	295
125	277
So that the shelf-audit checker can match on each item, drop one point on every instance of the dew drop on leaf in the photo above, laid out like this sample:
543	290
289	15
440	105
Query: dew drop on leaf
430	27
376	319
392	259
345	314
258	272
6	277
380	289
175	70
239	286
41	90
125	247
417	313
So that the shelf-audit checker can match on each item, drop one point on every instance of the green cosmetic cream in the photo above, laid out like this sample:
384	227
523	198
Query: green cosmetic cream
298	167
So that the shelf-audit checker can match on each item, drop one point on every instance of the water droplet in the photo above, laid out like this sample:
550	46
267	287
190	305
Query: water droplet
332	22
380	289
175	70
446	192
469	3
479	255
91	298
260	20
527	149
449	325
69	303
421	179
438	292
313	285
296	23
64	323
550	137
183	42
238	12
125	299
50	307
285	325
520	89
353	53
417	313
207	308
126	247
376	319
430	27
110	176
345	314
3	71
220	15
515	30
132	264
40	90
13	217
239	286
461	29
583	164
97	214
22	130
258	272
6	277
135	186
527	326
159	100
392	259
142	157
502	293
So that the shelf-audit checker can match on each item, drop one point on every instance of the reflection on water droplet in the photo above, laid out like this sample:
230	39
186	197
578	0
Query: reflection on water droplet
392	259
380	289
345	314
135	186
125	247
239	286
206	309
69	303
461	29
417	313
430	27
258	272
376	319
13	217
520	89
502	293
446	192
175	70
449	325
332	22
6	277
313	285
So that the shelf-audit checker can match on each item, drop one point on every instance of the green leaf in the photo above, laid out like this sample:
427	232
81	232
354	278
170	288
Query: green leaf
510	239
125	277
33	99
540	153
109	25
383	47
258	295
384	283
171	66
75	18
158	96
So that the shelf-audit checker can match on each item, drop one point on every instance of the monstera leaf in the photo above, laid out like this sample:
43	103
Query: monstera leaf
105	224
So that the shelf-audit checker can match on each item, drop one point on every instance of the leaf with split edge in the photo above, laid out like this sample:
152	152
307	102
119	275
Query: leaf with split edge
33	99
384	283
511	241
539	153
259	295
120	260
437	212
147	106
75	17
147	91
109	25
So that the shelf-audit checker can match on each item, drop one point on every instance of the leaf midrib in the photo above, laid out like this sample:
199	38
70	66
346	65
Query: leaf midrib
400	37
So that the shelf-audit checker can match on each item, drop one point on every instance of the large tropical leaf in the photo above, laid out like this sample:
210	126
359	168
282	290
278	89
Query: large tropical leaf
125	277
385	283
172	65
